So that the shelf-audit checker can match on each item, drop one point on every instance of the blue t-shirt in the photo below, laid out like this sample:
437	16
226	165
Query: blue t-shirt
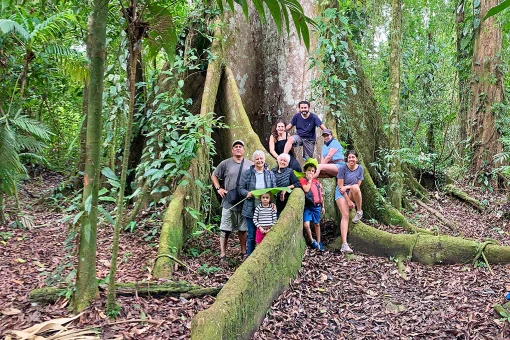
350	176
339	154
305	128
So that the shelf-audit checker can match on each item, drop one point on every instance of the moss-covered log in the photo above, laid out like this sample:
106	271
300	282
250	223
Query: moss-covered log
179	288
242	303
463	196
426	249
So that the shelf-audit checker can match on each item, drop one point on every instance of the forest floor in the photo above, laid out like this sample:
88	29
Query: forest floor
334	296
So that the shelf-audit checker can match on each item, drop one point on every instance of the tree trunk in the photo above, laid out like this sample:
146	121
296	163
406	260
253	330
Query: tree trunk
463	72
86	281
395	178
83	130
486	89
134	43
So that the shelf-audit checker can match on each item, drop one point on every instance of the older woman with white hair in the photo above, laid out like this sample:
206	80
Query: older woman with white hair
256	177
284	178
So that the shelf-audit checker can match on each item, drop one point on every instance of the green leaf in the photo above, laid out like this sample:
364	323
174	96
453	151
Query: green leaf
77	217
107	198
260	9
106	215
180	83
108	173
88	204
276	13
273	191
244	6
496	9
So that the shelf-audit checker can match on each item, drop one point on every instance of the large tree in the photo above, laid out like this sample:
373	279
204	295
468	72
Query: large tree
486	89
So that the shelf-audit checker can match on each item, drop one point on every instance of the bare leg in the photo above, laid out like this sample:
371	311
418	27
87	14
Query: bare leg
344	222
288	145
326	171
317	227
243	237
306	225
223	244
355	195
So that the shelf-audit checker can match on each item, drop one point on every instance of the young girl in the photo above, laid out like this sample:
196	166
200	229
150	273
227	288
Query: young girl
264	217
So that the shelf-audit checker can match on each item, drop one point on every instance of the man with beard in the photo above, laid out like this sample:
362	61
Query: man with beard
305	123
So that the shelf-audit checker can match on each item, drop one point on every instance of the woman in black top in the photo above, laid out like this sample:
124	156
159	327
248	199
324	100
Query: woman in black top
277	142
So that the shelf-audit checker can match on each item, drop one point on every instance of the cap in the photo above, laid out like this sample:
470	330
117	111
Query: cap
326	132
237	141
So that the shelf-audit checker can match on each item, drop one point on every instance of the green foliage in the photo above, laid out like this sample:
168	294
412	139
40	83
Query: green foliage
338	75
20	137
206	270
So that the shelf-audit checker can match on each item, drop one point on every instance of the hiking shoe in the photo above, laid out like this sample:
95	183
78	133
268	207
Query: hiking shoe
321	246
345	248
314	245
357	217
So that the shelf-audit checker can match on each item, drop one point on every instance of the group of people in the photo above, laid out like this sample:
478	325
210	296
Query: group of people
254	218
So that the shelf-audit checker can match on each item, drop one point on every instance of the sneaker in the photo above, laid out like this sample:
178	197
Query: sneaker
321	246
345	248
314	245
357	217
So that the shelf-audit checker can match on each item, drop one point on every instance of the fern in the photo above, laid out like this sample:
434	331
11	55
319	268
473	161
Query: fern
9	26
31	126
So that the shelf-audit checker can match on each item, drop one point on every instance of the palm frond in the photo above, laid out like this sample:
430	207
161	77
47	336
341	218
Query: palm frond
29	157
7	26
30	143
10	166
71	62
31	126
51	28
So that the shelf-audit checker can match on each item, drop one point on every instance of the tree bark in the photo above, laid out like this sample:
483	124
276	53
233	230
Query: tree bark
180	288
134	45
86	281
395	178
486	89
463	72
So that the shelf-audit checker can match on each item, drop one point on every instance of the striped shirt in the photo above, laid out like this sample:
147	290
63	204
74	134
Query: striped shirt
264	216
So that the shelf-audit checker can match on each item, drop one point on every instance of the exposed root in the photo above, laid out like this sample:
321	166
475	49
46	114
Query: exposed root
440	216
463	196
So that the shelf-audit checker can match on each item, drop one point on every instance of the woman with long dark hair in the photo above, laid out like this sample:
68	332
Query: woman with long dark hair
277	142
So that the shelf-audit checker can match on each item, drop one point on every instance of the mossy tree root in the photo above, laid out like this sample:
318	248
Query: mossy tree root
422	248
177	224
375	206
237	119
180	288
463	196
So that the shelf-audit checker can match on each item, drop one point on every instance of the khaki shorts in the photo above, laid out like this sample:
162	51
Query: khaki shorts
232	221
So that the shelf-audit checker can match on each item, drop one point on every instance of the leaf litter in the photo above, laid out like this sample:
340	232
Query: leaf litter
333	296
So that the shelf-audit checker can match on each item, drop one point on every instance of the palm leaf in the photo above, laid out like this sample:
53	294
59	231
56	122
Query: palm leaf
51	28
273	191
29	143
7	26
31	126
276	13
28	157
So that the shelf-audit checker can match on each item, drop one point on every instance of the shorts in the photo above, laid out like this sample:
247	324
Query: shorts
232	221
338	165
308	146
338	194
312	214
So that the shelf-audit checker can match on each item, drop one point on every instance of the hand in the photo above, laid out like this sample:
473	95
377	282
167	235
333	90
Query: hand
249	194
323	210
342	190
273	206
222	192
309	177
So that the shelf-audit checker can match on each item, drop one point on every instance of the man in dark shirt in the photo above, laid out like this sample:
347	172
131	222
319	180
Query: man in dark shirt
305	123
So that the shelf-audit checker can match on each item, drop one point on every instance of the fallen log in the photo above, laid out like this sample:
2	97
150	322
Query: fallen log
463	196
178	288
440	216
422	248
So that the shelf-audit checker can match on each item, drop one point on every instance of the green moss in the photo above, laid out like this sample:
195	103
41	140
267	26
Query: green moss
242	303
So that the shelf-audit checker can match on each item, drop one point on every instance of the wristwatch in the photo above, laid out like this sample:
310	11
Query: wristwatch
218	188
